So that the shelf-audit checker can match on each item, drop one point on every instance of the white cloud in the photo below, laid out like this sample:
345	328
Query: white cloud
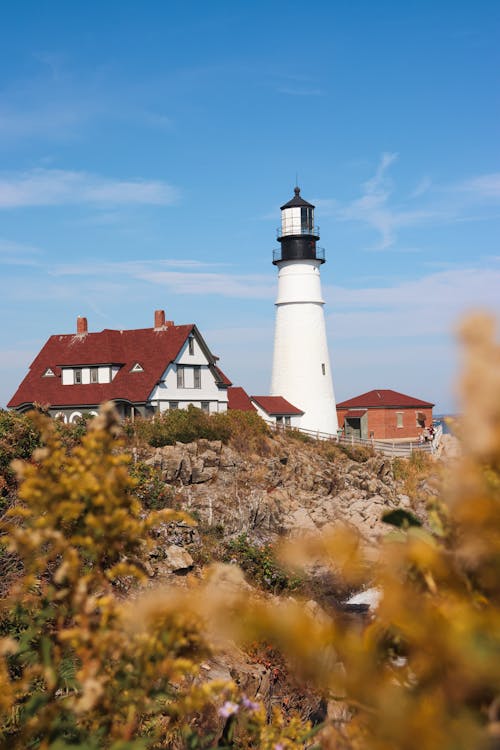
483	187
379	208
428	306
18	253
373	207
422	187
50	187
189	280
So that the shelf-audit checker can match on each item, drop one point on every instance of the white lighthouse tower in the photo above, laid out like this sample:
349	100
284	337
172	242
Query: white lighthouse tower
301	365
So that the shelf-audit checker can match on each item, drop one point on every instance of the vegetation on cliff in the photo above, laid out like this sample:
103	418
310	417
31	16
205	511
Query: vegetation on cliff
92	657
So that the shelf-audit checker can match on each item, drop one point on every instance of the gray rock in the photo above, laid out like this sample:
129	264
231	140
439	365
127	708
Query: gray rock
178	559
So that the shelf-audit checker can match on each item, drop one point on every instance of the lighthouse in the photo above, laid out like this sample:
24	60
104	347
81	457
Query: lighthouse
301	364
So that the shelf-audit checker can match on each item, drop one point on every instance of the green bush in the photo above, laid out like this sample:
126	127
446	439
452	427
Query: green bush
260	563
18	439
358	453
150	489
246	430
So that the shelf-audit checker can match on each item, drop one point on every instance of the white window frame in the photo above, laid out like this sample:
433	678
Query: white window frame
400	419
180	376
77	376
197	376
94	375
191	345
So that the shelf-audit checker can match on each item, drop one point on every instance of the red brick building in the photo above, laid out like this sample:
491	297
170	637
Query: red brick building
384	415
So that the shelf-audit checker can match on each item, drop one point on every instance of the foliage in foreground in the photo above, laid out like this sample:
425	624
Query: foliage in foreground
79	666
83	668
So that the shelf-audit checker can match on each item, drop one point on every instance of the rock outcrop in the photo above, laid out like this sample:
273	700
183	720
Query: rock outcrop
293	490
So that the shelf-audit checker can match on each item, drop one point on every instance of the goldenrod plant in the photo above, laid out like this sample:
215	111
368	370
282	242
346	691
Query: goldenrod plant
74	673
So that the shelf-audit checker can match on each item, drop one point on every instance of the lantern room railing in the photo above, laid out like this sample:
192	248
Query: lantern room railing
318	255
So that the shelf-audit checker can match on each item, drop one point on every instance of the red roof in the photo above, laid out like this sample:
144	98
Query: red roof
239	399
222	376
383	398
153	349
276	405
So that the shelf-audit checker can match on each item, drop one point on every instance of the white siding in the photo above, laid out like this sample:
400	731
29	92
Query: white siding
197	358
294	420
167	390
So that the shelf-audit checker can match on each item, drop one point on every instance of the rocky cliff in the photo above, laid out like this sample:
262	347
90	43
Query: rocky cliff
295	487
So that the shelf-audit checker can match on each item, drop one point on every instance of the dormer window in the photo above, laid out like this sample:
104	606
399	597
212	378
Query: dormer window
94	374
137	368
77	377
49	373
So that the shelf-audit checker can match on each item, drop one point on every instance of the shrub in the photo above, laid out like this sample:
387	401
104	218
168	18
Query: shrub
248	432
358	453
179	425
150	488
260	563
19	436
245	430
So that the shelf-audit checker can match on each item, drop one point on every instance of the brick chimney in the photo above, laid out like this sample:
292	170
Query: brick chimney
159	318
81	325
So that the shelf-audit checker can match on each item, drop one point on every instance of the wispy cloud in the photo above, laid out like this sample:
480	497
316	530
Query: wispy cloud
380	208
18	253
373	207
178	276
426	306
300	91
50	187
483	186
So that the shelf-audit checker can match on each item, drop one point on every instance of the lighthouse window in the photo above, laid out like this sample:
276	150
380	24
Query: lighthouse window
305	218
323	368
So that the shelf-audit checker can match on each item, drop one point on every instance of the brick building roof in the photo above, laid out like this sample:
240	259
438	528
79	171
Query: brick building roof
152	348
383	398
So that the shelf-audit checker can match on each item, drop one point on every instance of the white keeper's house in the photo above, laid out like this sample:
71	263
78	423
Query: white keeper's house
143	371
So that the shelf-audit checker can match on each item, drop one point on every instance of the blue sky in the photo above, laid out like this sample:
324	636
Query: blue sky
145	149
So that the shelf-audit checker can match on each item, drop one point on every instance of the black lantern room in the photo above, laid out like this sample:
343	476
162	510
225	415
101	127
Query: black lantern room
297	234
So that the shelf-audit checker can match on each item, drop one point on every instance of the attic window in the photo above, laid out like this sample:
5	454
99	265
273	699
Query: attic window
49	373
137	368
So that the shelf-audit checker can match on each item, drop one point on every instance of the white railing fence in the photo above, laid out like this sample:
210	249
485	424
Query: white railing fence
388	448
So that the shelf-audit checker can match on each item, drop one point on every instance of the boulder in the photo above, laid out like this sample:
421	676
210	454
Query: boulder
178	559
